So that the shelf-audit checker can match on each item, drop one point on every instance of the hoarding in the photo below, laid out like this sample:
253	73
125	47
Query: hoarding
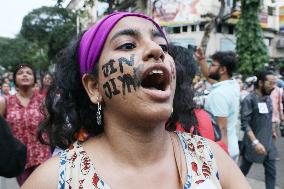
281	18
175	12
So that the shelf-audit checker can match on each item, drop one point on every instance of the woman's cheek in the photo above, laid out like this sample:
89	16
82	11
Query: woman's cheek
117	76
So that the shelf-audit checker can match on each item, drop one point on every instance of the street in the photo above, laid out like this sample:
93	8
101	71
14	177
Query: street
256	174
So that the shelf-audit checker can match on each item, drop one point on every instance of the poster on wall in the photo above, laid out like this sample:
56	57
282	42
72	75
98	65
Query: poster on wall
175	12
281	18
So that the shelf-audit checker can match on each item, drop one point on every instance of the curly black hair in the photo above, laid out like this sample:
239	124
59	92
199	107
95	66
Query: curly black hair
262	76
68	106
227	59
20	66
183	104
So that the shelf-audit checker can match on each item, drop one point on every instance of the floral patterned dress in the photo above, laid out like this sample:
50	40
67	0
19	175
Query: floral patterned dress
24	122
77	170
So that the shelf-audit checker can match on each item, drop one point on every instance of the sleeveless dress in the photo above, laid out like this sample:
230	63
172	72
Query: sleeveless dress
24	122
77	170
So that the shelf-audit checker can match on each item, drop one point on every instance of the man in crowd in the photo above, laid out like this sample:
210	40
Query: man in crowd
256	116
223	99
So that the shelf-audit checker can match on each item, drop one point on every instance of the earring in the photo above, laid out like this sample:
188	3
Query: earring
99	116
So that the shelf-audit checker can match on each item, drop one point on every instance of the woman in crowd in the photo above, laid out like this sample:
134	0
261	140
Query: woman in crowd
118	84
46	81
22	111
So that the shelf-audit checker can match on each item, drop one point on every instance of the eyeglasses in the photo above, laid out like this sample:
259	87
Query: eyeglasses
213	65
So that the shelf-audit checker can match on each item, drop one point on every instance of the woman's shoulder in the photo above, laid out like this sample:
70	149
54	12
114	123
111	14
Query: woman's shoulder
197	147
52	169
38	96
45	176
192	138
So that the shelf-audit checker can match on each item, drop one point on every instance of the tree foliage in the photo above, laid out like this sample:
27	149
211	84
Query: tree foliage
250	46
20	51
50	28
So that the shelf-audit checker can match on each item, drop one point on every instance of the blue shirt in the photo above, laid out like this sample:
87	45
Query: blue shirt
223	101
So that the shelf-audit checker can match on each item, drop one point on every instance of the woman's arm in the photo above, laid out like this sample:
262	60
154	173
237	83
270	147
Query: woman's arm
231	176
45	176
2	106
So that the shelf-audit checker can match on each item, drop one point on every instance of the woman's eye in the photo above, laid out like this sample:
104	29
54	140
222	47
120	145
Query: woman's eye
164	48
126	46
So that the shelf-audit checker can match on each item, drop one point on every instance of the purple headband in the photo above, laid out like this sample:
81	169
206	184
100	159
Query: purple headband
92	41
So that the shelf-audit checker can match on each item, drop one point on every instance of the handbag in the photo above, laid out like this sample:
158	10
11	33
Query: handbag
216	128
13	153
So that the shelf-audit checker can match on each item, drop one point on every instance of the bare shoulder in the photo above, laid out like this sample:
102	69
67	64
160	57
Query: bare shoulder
2	105
224	163
45	176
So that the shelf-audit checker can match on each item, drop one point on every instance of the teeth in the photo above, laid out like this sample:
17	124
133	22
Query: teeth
156	72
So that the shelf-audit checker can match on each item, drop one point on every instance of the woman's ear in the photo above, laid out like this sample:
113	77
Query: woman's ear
91	86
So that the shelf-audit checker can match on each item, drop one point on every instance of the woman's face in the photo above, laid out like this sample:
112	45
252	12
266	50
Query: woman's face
136	74
47	79
5	88
25	77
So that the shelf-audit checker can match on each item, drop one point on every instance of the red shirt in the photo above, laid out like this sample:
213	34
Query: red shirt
205	127
24	122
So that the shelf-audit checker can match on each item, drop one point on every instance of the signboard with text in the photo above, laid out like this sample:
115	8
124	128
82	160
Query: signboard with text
175	12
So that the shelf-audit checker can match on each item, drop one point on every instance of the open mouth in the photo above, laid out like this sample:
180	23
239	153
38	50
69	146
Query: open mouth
156	78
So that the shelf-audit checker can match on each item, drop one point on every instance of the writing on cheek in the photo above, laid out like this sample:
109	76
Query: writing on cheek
138	74
110	88
126	80
173	70
122	61
109	68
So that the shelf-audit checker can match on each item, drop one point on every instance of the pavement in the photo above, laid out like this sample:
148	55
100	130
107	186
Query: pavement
255	176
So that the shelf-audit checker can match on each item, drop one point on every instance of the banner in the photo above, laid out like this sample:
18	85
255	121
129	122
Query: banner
178	12
263	19
281	18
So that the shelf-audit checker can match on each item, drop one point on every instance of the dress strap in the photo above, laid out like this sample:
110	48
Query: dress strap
62	168
179	158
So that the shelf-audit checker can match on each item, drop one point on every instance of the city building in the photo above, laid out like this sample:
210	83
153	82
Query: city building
184	23
188	30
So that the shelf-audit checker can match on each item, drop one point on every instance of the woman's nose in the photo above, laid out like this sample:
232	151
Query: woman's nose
153	51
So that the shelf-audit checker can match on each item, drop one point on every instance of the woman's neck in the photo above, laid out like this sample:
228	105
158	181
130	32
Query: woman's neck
25	92
136	144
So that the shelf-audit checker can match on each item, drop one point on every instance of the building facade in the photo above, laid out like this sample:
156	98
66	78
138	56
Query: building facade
223	36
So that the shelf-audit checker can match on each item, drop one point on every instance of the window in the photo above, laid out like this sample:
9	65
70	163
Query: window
201	27
184	28
267	41
225	29
169	30
219	28
176	29
231	29
271	11
193	28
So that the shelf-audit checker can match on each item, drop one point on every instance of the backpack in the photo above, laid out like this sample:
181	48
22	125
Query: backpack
216	128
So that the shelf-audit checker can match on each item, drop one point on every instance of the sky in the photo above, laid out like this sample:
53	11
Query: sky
12	13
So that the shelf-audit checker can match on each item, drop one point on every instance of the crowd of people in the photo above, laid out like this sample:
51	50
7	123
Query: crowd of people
145	112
